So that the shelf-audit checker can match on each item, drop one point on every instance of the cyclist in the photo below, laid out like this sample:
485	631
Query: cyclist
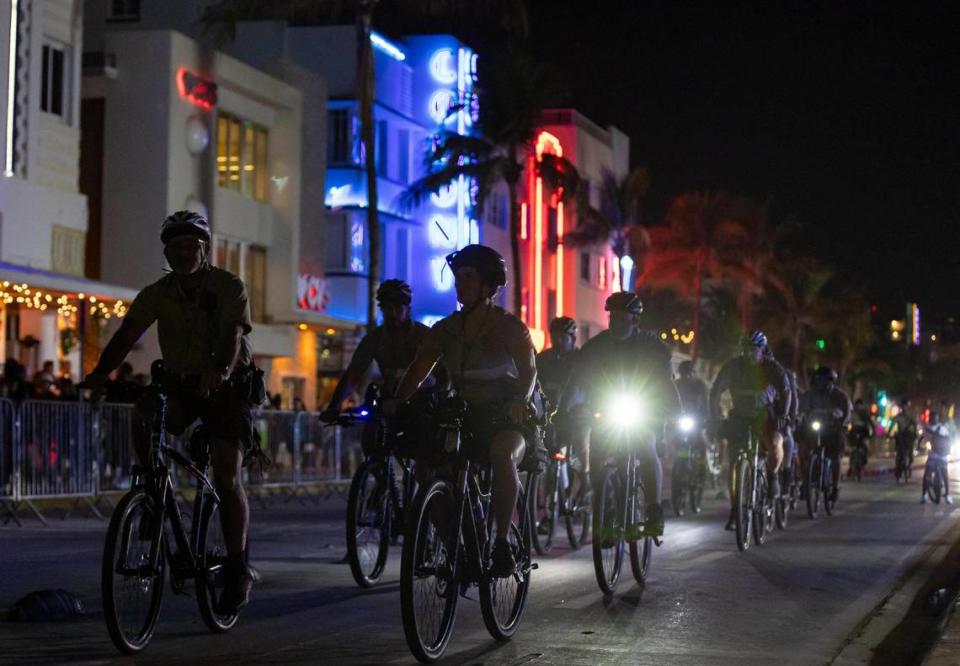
905	432
555	369
392	345
939	436
860	432
203	323
827	402
490	358
695	398
761	395
789	431
624	356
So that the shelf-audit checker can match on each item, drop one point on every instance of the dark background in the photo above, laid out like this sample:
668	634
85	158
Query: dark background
845	118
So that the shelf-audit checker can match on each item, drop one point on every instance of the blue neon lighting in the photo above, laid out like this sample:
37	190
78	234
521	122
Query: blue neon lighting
388	47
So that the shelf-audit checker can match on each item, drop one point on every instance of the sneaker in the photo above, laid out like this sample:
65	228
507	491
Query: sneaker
731	523
653	525
502	562
773	488
238	581
923	498
948	499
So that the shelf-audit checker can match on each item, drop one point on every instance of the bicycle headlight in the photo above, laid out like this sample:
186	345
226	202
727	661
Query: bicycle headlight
623	411
815	426
686	423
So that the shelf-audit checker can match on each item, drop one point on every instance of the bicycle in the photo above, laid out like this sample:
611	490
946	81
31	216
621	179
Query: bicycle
902	470
790	488
138	549
619	503
688	476
818	484
447	546
376	507
554	499
935	476
752	513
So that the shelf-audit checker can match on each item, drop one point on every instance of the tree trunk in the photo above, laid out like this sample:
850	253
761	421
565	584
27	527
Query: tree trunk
365	94
698	296
516	278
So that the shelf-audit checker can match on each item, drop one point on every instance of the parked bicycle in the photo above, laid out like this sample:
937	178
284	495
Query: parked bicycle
148	537
376	503
447	546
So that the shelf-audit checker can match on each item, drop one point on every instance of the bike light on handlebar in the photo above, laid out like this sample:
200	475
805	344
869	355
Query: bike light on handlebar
686	423
623	411
816	426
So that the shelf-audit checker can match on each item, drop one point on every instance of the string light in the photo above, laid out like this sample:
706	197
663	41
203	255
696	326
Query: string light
37	299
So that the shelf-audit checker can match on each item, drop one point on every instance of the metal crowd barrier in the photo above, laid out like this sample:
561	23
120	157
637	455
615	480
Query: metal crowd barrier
69	450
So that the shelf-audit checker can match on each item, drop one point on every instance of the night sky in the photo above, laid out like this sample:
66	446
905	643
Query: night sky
846	120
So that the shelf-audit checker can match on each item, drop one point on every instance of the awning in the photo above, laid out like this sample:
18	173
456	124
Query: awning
65	283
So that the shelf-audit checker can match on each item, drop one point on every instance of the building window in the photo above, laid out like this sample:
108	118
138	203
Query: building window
383	155
242	156
585	266
602	277
52	92
552	238
402	253
498	210
339	137
255	277
338	256
403	156
124	10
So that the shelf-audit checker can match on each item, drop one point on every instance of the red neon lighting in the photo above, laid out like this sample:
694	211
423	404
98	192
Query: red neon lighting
196	90
546	140
538	258
615	278
523	222
603	273
559	259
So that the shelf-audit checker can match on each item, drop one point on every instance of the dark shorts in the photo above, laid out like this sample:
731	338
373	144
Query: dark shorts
832	442
483	422
226	416
735	429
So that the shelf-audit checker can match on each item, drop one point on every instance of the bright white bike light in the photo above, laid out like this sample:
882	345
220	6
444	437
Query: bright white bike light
816	426
686	423
625	411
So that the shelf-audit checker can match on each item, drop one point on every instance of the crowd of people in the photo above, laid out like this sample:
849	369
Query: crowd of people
47	383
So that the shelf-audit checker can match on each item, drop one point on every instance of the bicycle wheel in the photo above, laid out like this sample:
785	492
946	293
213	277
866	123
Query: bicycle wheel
813	490
795	483
132	589
544	509
935	487
608	530
640	549
697	481
428	580
761	513
678	486
368	523
826	485
577	514
743	513
502	600
211	562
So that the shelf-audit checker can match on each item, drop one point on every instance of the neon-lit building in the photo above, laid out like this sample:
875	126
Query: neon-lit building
559	279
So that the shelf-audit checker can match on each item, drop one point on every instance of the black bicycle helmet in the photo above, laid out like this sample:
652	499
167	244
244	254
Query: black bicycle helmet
185	223
825	375
563	325
394	291
487	262
755	338
624	301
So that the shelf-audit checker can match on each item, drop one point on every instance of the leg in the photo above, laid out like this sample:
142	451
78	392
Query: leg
651	470
227	463
506	452
834	450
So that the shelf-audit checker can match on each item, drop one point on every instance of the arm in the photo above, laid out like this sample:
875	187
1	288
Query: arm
427	356
716	391
117	349
521	350
359	364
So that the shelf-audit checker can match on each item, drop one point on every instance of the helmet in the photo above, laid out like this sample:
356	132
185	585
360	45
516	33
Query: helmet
756	338
185	222
825	375
563	325
624	301
394	291
487	261
685	369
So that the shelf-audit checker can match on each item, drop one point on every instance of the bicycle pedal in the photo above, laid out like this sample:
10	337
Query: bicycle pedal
658	541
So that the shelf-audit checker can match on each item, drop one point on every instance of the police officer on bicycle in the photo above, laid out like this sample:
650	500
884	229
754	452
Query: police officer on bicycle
824	401
203	323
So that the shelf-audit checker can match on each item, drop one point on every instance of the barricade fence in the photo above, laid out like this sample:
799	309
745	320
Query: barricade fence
73	450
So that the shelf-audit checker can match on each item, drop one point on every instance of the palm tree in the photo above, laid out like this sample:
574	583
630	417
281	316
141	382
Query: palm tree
617	219
224	16
515	89
706	235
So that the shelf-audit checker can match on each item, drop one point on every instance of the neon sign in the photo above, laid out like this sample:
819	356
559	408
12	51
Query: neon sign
196	89
312	293
380	43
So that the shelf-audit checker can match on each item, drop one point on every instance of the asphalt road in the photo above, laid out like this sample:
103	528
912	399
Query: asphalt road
799	599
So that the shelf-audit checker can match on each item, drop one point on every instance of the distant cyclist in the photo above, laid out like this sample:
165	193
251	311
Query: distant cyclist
940	437
827	403
861	431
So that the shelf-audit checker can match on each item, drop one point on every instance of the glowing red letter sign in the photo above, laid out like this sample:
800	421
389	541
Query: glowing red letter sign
197	90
